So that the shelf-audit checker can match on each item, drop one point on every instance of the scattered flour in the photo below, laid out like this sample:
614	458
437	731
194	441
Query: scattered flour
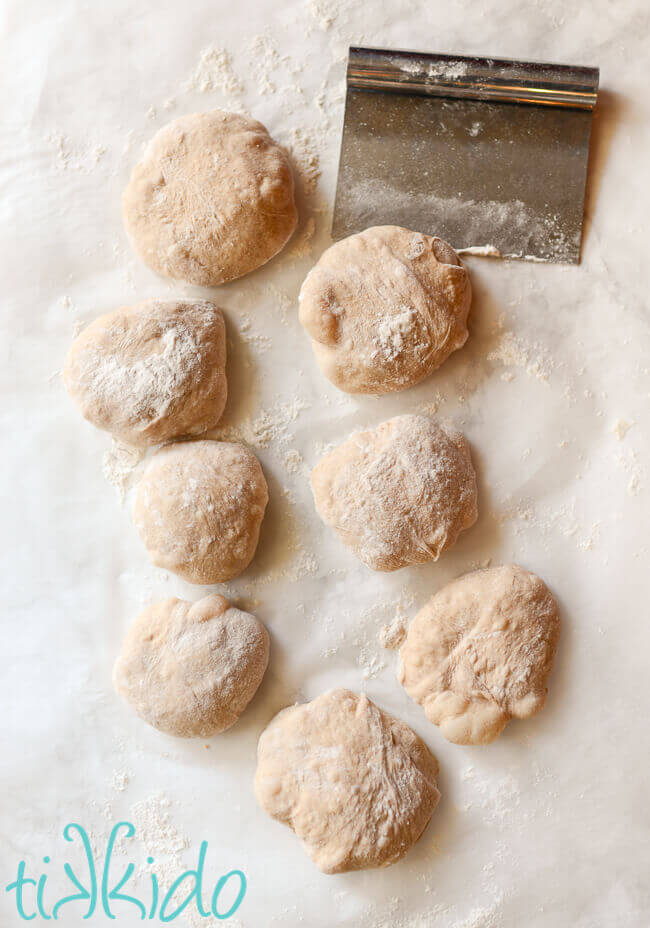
120	780
71	157
323	12
629	462
120	466
370	663
154	827
303	245
512	351
449	71
431	406
361	633
214	72
416	247
485	251
621	428
250	337
155	834
272	425
391	332
497	797
473	217
302	149
444	71
144	388
284	302
163	842
393	635
392	915
324	447
269	427
590	541
268	66
266	61
563	521
293	461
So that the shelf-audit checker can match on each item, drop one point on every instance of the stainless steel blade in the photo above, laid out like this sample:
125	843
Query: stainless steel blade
482	152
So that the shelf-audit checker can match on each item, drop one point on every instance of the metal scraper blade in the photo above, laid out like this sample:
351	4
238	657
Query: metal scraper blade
489	154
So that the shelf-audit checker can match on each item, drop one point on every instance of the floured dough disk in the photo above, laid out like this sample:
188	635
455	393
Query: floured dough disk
385	308
190	669
211	200
199	507
480	651
152	371
399	494
357	786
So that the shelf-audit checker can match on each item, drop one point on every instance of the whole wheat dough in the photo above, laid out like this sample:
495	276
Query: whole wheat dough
480	651
385	308
199	507
152	371
211	200
190	669
399	494
357	786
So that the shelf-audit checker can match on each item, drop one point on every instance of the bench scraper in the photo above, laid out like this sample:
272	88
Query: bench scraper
487	153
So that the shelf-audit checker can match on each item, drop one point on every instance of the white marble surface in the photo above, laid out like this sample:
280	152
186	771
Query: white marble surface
549	825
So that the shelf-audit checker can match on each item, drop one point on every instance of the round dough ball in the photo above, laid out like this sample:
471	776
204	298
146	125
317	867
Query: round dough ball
480	651
399	494
190	669
356	785
385	308
211	200
199	508
152	371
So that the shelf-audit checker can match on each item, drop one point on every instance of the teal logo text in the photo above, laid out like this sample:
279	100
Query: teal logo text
104	890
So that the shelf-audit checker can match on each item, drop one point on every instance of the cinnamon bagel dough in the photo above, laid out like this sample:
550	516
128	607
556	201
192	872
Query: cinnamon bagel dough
480	652
152	371
398	494
357	786
384	308
211	200
199	507
190	669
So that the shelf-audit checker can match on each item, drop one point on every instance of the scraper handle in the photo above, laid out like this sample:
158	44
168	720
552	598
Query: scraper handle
457	76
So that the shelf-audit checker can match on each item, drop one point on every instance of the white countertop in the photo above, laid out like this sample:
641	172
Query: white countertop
549	825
